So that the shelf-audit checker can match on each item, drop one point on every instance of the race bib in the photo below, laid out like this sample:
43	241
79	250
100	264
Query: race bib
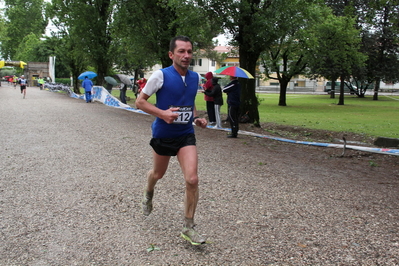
185	114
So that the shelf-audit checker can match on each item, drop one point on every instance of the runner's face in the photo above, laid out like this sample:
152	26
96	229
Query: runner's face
182	54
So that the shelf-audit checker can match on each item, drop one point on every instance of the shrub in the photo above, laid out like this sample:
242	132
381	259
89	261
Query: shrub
66	81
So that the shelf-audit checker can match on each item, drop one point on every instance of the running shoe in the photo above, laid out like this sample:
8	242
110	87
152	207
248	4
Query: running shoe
192	236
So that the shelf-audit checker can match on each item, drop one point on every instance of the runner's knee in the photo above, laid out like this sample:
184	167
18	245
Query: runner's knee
192	181
157	174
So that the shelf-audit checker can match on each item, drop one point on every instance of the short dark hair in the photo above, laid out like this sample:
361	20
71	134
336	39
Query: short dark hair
172	44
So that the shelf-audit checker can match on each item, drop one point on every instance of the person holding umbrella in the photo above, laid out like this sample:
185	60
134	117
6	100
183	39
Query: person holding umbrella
233	90
87	84
175	88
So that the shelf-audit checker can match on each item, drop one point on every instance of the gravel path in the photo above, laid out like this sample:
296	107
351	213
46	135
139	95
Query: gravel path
72	176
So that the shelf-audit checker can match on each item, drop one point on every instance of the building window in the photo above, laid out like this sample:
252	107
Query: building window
192	62
213	63
200	62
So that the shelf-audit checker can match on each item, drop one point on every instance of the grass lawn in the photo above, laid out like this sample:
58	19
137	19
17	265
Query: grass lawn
358	115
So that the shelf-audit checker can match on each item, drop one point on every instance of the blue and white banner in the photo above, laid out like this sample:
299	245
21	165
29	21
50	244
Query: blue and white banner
102	95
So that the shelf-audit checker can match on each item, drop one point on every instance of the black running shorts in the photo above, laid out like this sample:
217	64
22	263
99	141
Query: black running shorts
170	146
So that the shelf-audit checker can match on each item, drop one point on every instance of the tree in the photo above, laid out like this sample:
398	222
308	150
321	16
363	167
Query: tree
2	32
51	46
26	50
247	22
23	18
379	26
87	26
130	43
335	51
254	25
286	55
149	25
384	61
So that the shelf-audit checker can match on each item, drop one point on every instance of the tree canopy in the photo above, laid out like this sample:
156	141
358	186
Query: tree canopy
23	18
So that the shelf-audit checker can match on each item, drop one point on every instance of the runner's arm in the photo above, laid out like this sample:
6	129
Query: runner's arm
167	115
201	122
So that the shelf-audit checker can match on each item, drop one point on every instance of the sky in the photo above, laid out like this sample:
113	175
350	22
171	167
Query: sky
223	40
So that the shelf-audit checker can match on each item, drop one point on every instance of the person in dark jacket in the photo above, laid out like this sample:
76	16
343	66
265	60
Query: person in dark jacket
217	95
233	90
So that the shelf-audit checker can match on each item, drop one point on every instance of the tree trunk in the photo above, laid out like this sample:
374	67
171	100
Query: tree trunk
102	70
76	82
283	92
249	101
341	91
376	89
332	91
76	85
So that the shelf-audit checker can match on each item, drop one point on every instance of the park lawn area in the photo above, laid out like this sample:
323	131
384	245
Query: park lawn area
357	115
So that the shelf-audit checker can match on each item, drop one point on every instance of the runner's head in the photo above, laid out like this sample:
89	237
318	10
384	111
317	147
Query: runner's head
181	53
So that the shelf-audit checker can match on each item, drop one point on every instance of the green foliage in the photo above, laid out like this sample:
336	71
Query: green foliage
66	81
24	17
5	71
381	39
85	30
148	26
26	50
286	56
336	49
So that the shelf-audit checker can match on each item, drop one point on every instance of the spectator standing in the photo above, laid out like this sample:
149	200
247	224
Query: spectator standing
122	93
210	104
217	95
233	90
172	131
87	84
141	82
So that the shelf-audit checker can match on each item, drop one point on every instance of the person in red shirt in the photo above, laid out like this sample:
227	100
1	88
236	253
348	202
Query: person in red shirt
210	103
141	83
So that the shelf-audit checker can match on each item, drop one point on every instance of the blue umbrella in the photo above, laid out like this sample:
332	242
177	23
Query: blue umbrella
89	74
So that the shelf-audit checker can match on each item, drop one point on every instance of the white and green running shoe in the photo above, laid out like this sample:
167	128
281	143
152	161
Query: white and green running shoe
192	236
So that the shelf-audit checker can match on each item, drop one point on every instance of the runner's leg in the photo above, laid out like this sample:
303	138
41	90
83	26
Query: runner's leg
159	169
188	160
